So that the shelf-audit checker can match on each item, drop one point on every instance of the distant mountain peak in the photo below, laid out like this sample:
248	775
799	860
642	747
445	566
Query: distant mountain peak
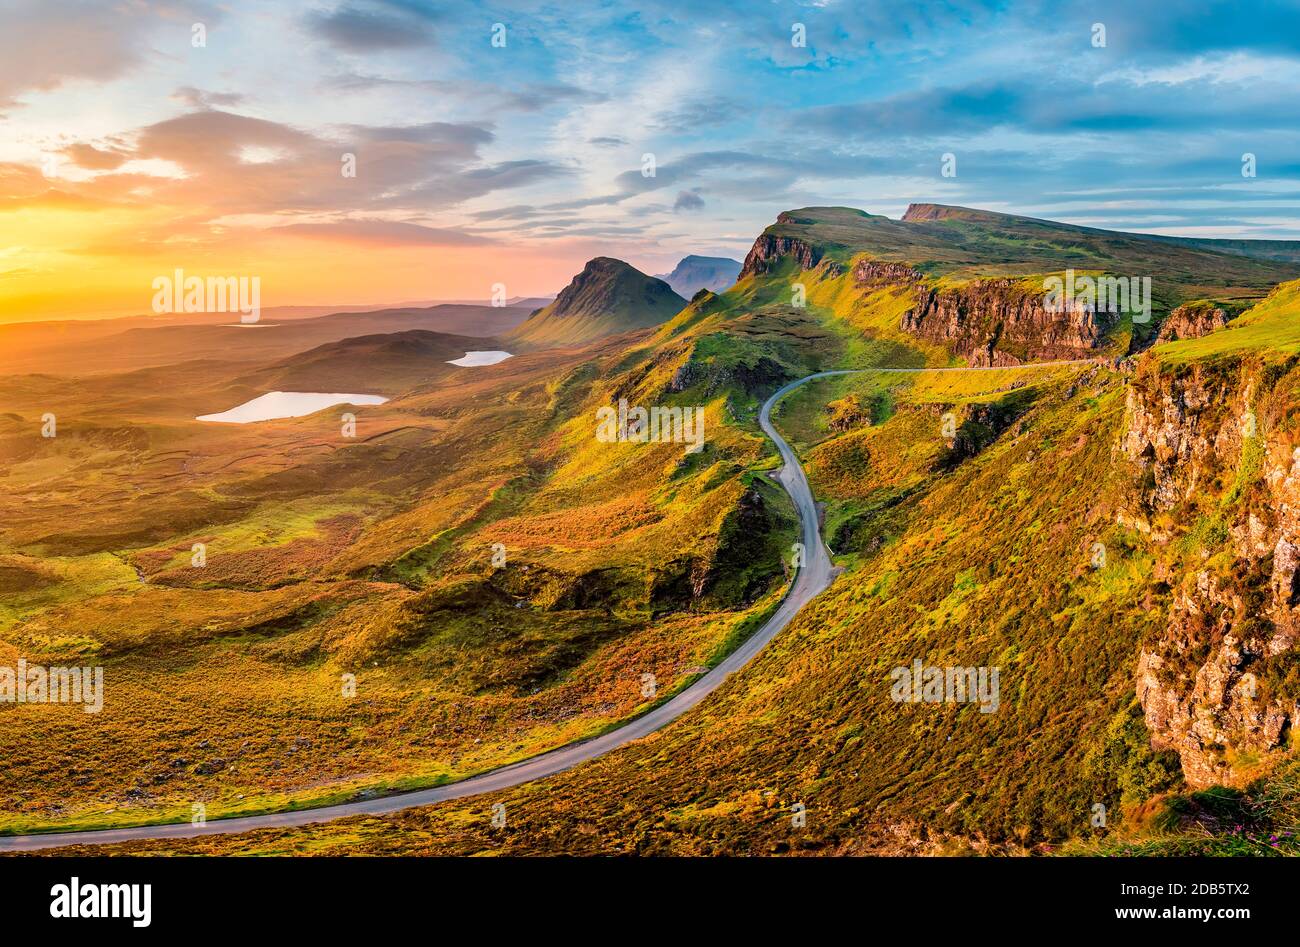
609	296
694	273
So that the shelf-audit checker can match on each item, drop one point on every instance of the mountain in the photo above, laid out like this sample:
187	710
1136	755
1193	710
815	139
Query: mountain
694	273
974	282
606	298
942	240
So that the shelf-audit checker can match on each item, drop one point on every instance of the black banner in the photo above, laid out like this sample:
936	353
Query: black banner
331	896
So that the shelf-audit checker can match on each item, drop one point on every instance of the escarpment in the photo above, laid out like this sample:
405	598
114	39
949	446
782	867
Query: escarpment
1191	322
876	273
999	322
769	248
1219	496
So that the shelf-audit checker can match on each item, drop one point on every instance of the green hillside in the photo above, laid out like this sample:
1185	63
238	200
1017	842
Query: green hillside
960	242
965	508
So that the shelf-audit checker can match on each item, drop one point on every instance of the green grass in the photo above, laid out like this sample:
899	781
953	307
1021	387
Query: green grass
1271	327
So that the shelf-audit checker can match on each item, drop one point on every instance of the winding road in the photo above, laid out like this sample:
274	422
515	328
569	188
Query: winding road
810	580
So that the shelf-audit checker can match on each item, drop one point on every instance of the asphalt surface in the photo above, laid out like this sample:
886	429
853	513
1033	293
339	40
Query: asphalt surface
815	575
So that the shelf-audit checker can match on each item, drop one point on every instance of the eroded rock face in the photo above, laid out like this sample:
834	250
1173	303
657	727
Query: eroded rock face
768	249
872	273
1171	437
1203	683
998	322
1191	322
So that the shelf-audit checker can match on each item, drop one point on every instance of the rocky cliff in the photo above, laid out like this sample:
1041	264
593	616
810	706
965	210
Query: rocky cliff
770	247
992	322
1219	498
1191	322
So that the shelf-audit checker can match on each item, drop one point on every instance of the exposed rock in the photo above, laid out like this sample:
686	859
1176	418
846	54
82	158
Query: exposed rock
921	212
764	376
847	413
769	248
1003	322
1183	428
1200	682
978	425
1191	322
878	273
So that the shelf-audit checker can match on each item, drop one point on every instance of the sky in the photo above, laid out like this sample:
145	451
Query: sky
509	142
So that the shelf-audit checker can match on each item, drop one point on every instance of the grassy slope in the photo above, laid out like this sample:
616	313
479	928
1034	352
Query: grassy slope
966	243
972	552
974	565
1273	325
371	556
954	246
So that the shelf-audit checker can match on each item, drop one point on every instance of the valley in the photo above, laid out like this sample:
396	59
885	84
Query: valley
608	638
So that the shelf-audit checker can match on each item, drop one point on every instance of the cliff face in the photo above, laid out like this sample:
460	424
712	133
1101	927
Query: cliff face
769	248
874	273
1192	322
998	322
1219	685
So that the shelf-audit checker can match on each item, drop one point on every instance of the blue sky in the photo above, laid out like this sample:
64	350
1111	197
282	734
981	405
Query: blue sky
533	151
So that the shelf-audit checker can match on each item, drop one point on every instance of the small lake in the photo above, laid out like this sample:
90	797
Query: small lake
475	359
286	404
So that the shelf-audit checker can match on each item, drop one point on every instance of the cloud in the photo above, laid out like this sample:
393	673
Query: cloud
45	45
450	138
208	140
553	128
480	95
96	159
359	29
972	108
414	167
1051	106
1155	28
387	233
50	199
462	185
688	200
191	97
697	114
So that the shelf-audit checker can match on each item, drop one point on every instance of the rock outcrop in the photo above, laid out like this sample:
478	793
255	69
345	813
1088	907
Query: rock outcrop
1191	322
1218	684
997	322
847	413
760	378
769	248
875	273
